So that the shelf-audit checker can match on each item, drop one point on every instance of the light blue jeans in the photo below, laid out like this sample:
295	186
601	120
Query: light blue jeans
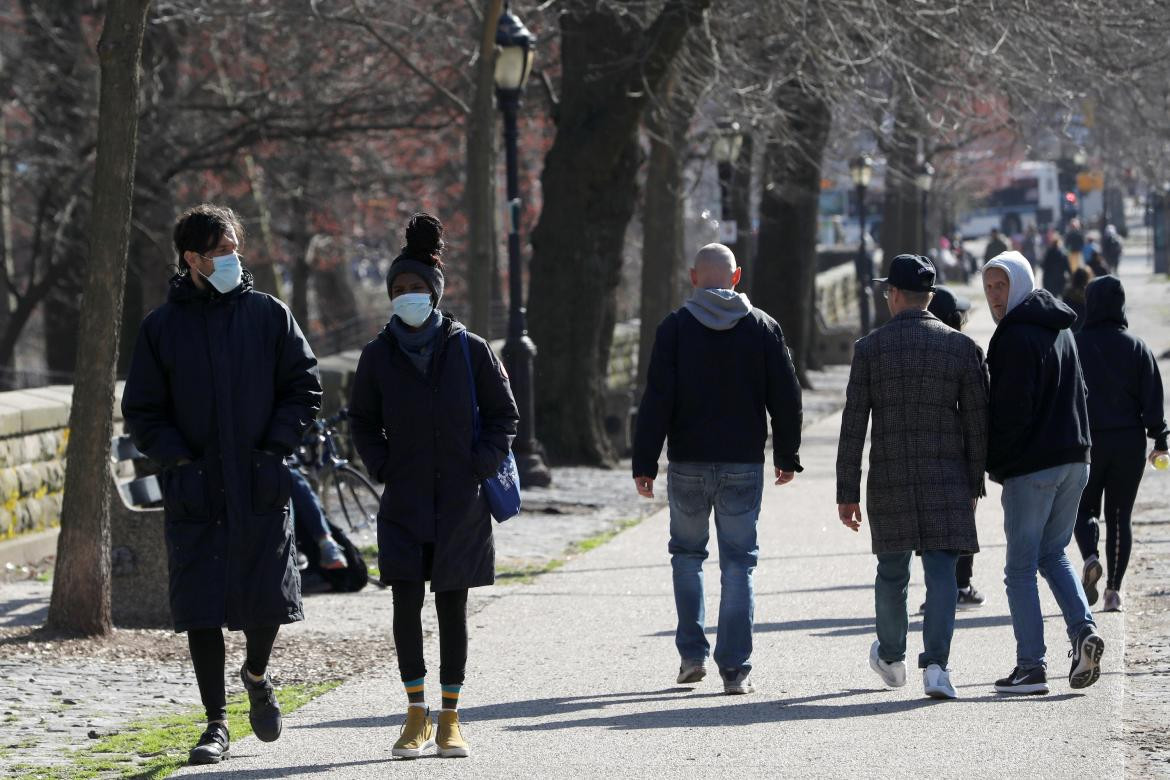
942	595
1039	513
734	491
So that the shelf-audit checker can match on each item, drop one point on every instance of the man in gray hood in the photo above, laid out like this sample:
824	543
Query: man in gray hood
718	370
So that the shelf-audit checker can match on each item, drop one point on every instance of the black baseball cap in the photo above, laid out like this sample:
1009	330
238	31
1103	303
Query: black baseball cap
946	304
913	273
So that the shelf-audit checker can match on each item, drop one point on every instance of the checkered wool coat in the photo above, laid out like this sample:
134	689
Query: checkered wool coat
927	388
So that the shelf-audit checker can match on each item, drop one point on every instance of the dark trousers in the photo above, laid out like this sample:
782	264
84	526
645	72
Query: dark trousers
451	607
1119	460
207	655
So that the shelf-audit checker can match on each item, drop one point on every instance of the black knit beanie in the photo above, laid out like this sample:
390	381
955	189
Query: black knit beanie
421	255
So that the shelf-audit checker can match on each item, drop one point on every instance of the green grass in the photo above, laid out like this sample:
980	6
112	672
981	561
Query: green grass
524	574
156	747
45	576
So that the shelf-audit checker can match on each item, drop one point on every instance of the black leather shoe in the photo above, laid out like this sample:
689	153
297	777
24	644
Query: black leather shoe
212	747
264	712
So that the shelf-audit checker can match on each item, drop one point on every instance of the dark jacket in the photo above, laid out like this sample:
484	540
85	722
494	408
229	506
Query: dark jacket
1039	417
1074	241
709	394
1125	386
1055	270
414	433
228	383
926	385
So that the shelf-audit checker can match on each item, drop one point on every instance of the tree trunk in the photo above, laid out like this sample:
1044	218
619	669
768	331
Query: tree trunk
741	212
785	280
590	191
480	192
664	251
81	585
300	239
901	207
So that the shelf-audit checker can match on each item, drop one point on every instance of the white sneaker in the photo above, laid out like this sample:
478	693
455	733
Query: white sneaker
692	672
892	674
936	683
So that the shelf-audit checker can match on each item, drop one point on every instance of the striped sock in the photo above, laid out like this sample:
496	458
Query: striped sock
451	696
416	691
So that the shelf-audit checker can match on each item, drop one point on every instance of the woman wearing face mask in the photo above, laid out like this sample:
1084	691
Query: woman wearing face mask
221	387
410	414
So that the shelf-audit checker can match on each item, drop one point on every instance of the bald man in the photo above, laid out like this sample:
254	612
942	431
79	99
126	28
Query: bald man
718	370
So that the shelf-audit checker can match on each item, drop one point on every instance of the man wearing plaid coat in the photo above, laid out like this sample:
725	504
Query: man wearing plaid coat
926	386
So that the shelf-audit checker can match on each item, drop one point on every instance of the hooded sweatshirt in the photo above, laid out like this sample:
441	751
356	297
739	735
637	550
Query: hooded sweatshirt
718	309
1020	277
718	370
1125	387
1039	416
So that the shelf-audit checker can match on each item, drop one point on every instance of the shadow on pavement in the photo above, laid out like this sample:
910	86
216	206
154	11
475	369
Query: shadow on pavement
13	614
837	627
284	771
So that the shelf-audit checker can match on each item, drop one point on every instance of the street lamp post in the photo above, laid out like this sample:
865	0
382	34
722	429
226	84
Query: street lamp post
728	142
515	53
861	170
924	179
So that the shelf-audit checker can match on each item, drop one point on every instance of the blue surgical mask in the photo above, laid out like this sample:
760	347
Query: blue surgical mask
227	274
413	308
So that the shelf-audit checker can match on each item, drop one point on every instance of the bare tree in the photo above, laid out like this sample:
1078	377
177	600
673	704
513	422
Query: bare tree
81	586
610	63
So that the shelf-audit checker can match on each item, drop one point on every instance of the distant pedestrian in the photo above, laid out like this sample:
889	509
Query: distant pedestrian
1028	245
995	246
1039	452
1074	244
412	420
1074	295
952	310
719	369
221	387
1055	266
1111	248
1125	407
926	387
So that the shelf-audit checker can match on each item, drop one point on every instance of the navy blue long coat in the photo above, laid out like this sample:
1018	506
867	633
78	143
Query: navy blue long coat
228	383
414	433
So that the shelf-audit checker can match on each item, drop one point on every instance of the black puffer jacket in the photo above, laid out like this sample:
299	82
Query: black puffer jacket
1125	387
228	383
414	433
1039	417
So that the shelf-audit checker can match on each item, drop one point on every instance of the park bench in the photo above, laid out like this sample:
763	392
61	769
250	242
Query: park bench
138	551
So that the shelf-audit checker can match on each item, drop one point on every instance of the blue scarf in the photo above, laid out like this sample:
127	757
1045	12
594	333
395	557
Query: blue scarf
418	345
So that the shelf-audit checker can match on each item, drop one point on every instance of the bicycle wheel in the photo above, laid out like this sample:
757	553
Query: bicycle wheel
351	501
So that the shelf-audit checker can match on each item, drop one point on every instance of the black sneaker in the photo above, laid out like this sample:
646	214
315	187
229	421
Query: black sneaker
969	598
1086	659
1032	681
263	712
1090	575
212	747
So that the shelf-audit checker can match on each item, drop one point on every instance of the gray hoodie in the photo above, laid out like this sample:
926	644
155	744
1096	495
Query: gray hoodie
1021	280
718	309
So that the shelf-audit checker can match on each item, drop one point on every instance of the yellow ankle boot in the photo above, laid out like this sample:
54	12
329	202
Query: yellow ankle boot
418	733
451	744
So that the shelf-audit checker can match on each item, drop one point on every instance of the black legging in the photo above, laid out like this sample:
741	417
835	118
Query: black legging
451	607
207	654
1119	460
963	570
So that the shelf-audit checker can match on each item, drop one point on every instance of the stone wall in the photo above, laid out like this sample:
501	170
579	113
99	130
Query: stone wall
33	436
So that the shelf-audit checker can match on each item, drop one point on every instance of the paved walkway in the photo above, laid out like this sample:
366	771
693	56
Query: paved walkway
573	675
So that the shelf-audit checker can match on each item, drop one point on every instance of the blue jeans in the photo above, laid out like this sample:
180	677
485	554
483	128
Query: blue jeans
1039	513
734	490
942	594
307	509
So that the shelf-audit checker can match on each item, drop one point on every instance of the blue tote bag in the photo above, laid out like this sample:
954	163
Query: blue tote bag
502	489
